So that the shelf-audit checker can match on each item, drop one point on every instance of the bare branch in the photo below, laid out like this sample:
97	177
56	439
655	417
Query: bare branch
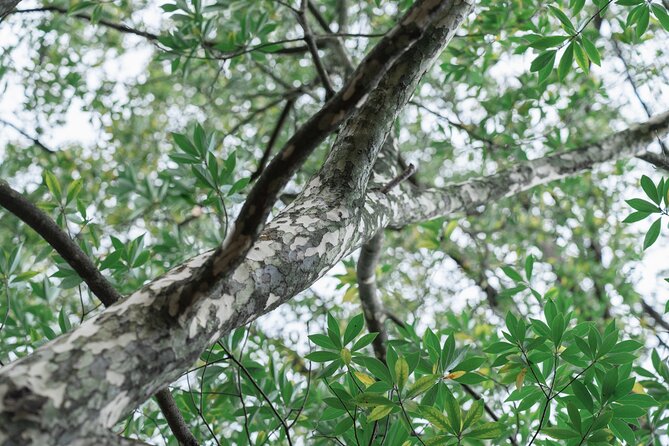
44	225
35	140
311	44
372	308
275	135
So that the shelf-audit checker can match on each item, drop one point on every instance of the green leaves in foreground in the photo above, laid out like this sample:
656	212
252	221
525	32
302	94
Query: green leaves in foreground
643	208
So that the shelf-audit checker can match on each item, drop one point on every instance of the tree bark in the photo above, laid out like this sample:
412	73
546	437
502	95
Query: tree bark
7	6
84	382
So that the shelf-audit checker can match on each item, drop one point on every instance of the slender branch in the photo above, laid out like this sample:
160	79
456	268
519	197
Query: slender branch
311	44
633	84
657	317
35	141
408	172
372	307
174	418
290	103
260	391
109	24
44	225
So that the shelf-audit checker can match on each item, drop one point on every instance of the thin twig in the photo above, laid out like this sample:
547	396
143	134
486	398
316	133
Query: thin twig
273	138
35	140
398	179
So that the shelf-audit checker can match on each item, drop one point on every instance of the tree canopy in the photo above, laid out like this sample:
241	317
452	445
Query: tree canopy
384	222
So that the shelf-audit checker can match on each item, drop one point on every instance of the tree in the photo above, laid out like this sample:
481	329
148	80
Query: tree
131	213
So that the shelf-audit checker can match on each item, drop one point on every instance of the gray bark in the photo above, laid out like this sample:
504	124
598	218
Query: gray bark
7	6
82	383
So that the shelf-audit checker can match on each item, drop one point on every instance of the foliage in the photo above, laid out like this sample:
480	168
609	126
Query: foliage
552	346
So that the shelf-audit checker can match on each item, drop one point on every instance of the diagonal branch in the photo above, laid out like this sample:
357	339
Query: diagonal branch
313	50
440	18
109	24
35	140
44	225
372	308
419	205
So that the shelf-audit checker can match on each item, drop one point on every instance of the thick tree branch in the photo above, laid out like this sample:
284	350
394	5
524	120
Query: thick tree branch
166	325
419	205
44	225
441	19
7	6
658	160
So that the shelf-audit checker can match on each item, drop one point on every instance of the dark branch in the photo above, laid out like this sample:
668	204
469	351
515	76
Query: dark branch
372	308
117	26
44	225
275	135
35	141
313	50
408	172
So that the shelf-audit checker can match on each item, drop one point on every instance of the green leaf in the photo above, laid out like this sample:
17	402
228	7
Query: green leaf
642	21
661	14
544	43
453	411
591	50
53	185
379	412
364	341
322	341
401	372
333	331
649	188
560	433
435	417
353	328
636	216
622	431
566	61
322	356
474	413
486	431
583	395
422	385
543	60
581	58
652	234
469	364
367	399
562	17
529	266
643	205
